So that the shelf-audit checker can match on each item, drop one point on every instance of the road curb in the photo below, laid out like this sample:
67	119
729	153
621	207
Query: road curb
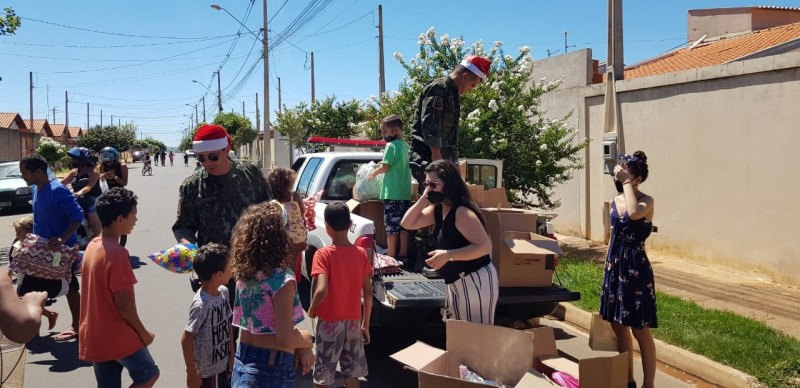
709	370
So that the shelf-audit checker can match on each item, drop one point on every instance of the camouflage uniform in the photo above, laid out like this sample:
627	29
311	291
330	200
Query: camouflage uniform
435	124
210	205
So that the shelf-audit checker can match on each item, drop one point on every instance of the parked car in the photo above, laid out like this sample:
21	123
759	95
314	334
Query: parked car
14	192
191	153
137	156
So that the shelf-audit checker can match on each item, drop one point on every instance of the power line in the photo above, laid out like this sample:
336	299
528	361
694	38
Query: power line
279	11
115	33
116	46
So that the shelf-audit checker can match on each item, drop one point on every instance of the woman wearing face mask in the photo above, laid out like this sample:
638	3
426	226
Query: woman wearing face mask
463	247
628	296
115	174
83	177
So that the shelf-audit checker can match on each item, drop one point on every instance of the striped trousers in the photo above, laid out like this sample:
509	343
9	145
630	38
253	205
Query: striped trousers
473	297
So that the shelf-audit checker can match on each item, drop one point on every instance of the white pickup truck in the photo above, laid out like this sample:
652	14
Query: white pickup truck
408	297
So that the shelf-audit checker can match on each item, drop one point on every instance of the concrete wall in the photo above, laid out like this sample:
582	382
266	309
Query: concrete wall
721	143
10	146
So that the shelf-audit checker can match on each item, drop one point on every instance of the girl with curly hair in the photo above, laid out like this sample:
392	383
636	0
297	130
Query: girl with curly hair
266	307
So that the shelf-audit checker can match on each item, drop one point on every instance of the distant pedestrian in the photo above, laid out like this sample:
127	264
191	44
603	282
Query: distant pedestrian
628	296
185	160
111	335
343	275
163	158
207	341
171	157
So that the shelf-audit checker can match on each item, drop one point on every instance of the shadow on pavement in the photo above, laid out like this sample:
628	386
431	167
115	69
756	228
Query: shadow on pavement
65	354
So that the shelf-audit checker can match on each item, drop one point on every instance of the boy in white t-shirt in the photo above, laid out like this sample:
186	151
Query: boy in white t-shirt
207	341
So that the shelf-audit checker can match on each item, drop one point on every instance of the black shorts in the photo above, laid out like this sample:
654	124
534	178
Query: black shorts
50	286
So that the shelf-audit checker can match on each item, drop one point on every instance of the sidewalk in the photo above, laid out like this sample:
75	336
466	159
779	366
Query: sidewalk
747	294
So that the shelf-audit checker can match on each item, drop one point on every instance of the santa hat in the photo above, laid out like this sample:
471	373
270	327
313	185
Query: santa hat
477	65
210	138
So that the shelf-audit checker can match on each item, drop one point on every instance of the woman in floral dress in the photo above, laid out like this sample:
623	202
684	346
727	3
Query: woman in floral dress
628	296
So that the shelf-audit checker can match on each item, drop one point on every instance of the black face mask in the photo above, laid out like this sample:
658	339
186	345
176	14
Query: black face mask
78	163
389	138
435	197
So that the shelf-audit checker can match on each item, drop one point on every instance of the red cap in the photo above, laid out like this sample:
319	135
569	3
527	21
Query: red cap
477	65
210	138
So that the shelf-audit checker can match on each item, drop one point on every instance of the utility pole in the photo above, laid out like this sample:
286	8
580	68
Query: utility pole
195	114
313	99
33	142
267	127
566	47
219	92
87	117
381	74
615	57
54	115
243	109
112	121
66	118
204	109
101	119
280	101
253	147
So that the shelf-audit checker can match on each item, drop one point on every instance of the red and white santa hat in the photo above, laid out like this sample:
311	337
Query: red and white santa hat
477	65
210	138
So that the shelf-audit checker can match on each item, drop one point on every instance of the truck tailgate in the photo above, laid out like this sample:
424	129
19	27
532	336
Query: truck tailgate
412	290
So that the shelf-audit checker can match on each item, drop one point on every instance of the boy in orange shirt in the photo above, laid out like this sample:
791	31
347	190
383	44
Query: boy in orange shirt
110	335
342	273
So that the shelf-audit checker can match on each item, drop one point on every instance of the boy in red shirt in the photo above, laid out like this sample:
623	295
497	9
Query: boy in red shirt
342	273
110	335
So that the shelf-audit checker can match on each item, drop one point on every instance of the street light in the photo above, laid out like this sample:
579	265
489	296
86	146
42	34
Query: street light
267	154
219	93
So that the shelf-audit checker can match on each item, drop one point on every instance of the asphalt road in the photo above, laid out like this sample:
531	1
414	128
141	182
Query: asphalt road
163	300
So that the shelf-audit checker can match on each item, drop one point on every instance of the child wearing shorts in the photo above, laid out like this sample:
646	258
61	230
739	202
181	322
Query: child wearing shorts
342	273
111	336
396	186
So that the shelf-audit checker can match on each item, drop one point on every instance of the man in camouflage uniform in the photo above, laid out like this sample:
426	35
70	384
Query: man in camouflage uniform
436	115
213	198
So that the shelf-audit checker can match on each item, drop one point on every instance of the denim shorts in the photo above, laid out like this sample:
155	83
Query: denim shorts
88	203
140	365
259	367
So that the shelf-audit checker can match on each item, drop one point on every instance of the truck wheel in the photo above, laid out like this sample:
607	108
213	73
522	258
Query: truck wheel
304	280
506	313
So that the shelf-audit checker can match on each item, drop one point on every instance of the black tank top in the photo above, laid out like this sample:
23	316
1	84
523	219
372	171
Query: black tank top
448	237
118	172
81	181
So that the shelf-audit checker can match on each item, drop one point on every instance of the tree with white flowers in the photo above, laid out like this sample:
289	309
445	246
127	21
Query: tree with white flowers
500	119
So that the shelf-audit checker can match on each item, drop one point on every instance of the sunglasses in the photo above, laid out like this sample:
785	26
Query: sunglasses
212	157
431	184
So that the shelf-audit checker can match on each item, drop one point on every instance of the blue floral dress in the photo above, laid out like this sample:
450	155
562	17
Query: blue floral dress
629	294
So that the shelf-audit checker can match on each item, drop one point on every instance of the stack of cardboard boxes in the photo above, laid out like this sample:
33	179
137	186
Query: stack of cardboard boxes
506	356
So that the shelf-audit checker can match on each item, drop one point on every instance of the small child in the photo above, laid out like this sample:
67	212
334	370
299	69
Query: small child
396	186
281	182
22	227
207	340
267	305
342	273
111	336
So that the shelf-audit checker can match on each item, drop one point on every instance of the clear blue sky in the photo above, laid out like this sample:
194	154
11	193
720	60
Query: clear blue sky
136	60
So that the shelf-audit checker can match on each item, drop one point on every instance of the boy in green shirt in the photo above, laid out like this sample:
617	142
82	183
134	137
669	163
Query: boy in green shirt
396	187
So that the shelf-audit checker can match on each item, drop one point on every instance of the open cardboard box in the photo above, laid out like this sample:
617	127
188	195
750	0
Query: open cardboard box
527	259
516	261
494	198
596	372
496	353
371	210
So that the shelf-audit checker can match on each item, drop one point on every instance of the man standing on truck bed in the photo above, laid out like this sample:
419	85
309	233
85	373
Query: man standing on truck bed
436	115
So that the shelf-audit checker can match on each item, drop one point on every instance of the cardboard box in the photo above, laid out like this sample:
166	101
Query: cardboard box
494	198
496	353
371	210
528	259
597	372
